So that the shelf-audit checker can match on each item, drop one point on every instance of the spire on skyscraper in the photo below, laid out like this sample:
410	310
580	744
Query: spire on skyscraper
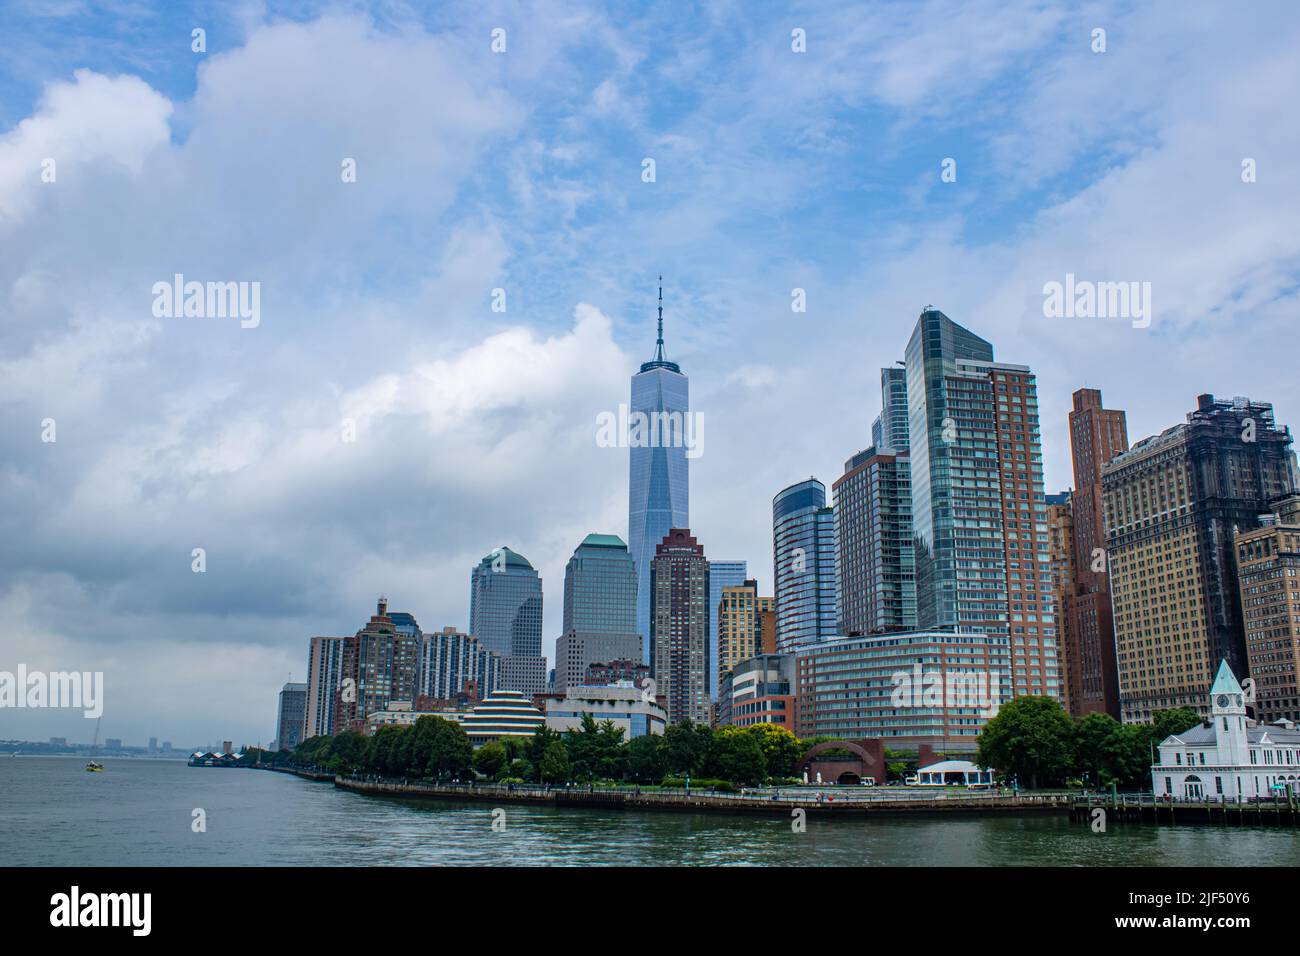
660	361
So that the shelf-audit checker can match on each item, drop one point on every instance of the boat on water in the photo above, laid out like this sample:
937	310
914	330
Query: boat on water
91	765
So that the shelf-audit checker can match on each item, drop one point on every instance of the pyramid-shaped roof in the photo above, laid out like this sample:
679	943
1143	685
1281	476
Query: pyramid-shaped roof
1225	682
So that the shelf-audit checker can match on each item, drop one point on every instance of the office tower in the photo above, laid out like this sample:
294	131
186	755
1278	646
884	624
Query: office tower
1172	505
740	622
153	744
1060	542
1097	435
1268	571
978	510
600	597
505	615
803	553
658	486
679	627
386	662
722	574
893	410
876	583
864	687
450	661
292	718
325	676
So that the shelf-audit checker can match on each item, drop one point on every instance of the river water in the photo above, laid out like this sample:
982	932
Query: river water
140	812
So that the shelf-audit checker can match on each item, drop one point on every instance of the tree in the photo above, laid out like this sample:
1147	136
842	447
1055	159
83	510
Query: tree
1030	738
1165	723
1111	752
738	757
686	748
539	743
645	759
554	767
1092	744
450	751
781	749
490	758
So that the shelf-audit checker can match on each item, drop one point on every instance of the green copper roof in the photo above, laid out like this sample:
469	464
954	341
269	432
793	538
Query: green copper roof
1225	682
513	559
603	541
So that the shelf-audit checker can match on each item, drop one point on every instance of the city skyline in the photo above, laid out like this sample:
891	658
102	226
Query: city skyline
476	427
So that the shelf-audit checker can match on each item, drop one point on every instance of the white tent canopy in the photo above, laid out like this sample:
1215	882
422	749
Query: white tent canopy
953	771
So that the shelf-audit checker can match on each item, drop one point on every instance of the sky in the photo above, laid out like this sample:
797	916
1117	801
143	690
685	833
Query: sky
523	170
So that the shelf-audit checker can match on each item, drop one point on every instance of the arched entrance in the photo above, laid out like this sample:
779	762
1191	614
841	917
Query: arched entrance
847	762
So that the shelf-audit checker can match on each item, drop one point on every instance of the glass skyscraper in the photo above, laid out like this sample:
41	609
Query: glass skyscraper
600	592
803	551
950	430
505	604
658	489
979	514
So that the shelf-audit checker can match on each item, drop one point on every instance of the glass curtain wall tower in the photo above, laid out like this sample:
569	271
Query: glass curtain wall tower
658	488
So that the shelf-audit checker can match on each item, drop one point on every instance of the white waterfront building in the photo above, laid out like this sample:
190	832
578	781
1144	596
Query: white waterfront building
1228	757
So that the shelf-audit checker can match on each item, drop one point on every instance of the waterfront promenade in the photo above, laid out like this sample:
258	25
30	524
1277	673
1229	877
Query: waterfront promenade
828	800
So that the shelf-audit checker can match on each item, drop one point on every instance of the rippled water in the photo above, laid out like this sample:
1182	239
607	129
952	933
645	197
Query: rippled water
139	812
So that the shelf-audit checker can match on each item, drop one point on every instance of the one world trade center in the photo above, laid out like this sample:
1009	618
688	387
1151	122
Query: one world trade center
658	491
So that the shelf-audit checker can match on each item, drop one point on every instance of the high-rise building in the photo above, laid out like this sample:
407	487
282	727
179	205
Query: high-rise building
893	410
679	628
1097	435
914	688
600	589
386	663
1060	540
739	622
876	583
722	574
1268	571
658	484
451	660
292	718
505	615
1172	505
325	676
767	628
978	510
803	553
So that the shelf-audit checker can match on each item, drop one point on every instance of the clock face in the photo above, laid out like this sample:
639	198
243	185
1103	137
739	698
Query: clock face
1223	700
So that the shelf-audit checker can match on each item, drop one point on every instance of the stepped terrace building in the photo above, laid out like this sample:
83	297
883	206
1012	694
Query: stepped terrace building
507	713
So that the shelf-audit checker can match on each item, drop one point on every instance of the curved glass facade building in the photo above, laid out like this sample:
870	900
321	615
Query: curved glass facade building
658	490
803	551
505	605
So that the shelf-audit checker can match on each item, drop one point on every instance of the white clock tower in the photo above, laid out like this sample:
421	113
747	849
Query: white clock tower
1228	711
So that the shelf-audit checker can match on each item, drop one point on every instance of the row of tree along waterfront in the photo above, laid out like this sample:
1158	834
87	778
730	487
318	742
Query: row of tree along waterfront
1031	740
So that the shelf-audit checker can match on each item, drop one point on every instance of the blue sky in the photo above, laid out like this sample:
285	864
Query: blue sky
775	170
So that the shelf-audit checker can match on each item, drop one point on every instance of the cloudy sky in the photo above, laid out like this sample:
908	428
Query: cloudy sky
522	171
